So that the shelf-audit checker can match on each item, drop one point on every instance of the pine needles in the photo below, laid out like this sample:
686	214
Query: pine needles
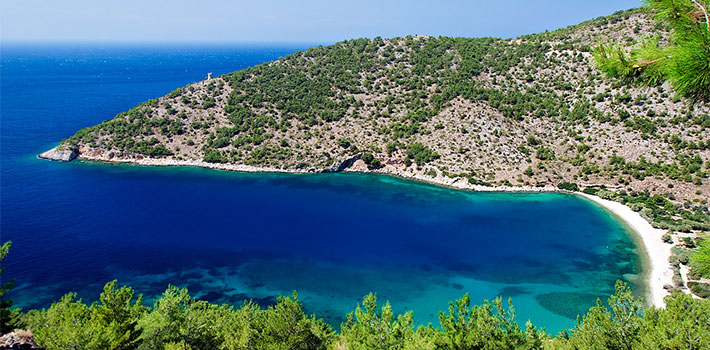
684	61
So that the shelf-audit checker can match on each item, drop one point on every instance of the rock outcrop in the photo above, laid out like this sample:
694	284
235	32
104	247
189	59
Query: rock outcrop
19	339
343	165
62	155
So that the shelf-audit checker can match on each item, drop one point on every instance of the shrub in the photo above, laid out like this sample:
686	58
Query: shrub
667	238
214	156
420	153
371	161
592	191
701	258
689	242
606	194
109	324
344	143
568	186
681	255
544	153
532	141
700	289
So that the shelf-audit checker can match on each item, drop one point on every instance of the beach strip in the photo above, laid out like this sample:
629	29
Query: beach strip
658	252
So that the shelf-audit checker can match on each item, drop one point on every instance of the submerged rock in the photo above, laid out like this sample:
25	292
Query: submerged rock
62	155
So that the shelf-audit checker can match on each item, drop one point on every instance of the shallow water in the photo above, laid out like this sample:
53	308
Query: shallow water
230	236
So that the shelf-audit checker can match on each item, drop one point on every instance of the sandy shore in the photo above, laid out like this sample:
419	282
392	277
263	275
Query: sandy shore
657	251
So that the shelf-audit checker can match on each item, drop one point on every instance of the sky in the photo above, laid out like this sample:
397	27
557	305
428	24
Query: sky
287	21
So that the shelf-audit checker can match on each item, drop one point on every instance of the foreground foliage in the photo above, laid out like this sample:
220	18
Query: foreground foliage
684	61
9	317
178	321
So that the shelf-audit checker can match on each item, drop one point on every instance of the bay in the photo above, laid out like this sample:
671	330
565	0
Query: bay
233	236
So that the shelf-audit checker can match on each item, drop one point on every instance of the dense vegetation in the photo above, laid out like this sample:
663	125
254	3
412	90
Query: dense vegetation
178	321
120	320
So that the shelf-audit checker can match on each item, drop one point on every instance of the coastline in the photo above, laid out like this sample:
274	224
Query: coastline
354	165
655	249
658	252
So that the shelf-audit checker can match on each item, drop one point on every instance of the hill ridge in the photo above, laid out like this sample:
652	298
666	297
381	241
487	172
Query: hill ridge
530	111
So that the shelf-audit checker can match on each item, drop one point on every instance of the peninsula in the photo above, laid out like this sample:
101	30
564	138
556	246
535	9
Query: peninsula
525	114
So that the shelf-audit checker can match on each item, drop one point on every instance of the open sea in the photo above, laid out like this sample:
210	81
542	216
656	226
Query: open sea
228	236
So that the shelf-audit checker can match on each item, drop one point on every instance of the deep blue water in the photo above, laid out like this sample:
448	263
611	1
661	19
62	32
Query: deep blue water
230	236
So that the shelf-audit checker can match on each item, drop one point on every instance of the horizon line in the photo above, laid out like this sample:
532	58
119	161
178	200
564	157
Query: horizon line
156	42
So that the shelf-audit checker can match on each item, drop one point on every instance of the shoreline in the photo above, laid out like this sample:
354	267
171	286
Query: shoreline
657	252
455	183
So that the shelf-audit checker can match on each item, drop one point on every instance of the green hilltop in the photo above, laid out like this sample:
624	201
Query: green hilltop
531	111
528	111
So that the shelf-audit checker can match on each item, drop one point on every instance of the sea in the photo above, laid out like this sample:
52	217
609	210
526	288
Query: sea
229	237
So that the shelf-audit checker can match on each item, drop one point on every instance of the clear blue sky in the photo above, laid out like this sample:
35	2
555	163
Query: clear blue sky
304	21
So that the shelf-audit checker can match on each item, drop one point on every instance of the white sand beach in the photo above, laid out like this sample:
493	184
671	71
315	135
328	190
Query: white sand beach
658	252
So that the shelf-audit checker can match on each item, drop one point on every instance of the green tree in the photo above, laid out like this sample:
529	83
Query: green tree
63	326
369	329
421	154
9	317
569	186
683	324
489	326
371	161
178	320
286	326
238	329
618	328
108	324
117	316
684	61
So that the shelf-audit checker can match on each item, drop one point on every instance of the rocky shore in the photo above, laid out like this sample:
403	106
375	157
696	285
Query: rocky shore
353	163
61	155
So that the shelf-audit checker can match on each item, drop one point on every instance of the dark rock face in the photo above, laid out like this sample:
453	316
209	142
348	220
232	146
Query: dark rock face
343	165
62	155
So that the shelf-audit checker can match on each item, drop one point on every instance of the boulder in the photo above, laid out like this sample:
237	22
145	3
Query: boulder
62	155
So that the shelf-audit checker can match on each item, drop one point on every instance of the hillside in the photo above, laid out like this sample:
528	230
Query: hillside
529	111
533	111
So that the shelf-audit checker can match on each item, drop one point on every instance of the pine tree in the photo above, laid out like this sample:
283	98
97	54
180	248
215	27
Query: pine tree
9	317
684	61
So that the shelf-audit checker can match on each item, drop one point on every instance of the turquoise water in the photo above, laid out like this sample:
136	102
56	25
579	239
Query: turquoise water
230	236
